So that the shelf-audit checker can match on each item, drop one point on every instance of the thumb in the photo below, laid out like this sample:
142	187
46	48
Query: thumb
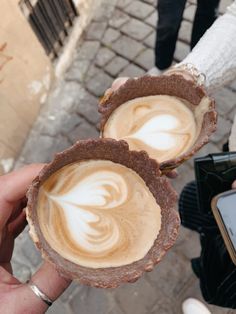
5	276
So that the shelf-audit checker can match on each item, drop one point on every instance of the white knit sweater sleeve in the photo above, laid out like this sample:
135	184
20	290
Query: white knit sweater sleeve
215	53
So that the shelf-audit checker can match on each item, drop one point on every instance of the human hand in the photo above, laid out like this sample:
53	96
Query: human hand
16	297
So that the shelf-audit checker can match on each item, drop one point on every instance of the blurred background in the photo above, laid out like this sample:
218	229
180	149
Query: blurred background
56	60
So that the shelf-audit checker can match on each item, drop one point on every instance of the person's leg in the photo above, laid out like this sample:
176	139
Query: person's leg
206	14
170	14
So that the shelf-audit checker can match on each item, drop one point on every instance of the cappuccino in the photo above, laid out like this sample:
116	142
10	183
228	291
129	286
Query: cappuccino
164	126
98	214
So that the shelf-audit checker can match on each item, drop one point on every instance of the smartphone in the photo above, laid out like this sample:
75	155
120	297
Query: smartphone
224	209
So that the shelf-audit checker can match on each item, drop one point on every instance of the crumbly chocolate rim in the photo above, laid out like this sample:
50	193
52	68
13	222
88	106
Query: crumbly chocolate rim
173	85
148	170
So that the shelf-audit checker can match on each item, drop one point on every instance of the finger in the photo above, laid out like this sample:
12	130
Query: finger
234	185
13	188
108	92
49	280
18	225
115	85
7	267
5	276
172	174
18	209
118	83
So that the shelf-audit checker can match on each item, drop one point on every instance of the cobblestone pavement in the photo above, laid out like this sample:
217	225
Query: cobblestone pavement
119	42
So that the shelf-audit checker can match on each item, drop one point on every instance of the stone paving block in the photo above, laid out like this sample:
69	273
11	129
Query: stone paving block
185	31
83	131
132	71
139	9
127	47
31	253
91	301
152	19
118	19
193	291
55	124
103	56
136	298
88	50
93	70
189	13
150	40
59	307
222	131
21	271
152	2
77	70
223	5
231	115
72	291
96	31
146	59
115	66
63	98
171	274
182	50
98	84
136	29
185	175
163	306
187	243
225	101
88	107
116	310
32	151
233	85
123	3
104	11
110	36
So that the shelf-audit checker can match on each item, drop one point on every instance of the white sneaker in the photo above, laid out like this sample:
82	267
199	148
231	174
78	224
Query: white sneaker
155	71
194	306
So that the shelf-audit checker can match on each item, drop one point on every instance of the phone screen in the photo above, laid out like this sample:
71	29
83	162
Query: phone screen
227	208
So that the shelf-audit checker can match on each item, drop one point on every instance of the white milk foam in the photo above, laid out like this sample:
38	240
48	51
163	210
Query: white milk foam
98	213
91	192
157	128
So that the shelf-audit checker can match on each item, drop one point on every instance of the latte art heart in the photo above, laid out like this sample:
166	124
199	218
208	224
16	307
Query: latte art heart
98	214
160	128
162	125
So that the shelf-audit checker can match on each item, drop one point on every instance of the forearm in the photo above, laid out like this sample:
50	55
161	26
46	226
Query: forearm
215	54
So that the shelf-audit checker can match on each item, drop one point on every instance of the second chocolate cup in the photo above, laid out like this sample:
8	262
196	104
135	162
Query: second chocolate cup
195	96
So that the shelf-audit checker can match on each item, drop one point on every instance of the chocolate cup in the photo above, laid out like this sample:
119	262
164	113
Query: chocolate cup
173	85
148	170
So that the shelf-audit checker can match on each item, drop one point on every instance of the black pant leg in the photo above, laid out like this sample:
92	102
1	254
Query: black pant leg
206	14
170	14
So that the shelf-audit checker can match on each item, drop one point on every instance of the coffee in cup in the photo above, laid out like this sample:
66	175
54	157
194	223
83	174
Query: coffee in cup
100	214
168	117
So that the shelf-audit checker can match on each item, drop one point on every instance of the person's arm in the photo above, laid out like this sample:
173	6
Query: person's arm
215	53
